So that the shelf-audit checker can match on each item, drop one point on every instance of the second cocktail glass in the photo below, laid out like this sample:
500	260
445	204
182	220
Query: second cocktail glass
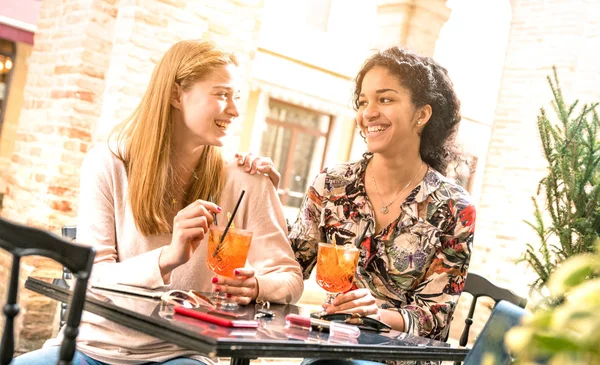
223	257
336	267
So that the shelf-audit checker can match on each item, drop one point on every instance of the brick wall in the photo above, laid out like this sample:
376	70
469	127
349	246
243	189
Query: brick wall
61	103
88	69
62	100
543	33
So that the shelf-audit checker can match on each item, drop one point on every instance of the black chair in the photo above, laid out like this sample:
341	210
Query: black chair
22	241
479	286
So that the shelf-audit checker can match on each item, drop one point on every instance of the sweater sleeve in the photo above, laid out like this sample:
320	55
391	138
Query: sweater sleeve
102	194
277	272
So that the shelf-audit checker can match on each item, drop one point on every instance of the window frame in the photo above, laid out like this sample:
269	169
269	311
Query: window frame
284	190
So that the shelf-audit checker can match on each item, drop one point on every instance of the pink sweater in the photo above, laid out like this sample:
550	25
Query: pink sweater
125	256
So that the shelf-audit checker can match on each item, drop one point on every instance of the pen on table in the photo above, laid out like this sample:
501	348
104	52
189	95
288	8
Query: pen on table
335	328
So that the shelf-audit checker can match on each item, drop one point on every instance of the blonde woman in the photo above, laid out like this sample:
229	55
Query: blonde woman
148	199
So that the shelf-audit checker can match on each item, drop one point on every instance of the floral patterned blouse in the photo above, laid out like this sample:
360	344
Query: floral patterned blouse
416	265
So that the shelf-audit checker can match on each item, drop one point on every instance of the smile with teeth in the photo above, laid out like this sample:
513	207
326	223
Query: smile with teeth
222	125
376	128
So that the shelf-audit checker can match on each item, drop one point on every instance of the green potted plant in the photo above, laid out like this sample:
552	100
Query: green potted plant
569	222
565	325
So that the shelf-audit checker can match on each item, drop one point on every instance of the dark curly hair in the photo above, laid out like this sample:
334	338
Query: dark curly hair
428	83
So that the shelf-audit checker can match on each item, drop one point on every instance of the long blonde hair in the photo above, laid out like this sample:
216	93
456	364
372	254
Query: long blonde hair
144	139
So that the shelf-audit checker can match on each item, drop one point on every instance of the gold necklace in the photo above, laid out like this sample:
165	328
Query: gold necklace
384	207
174	201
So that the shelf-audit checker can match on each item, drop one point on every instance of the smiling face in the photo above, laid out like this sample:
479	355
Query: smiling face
205	111
386	114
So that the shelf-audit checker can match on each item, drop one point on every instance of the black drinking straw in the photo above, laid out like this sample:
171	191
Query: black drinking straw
364	233
237	205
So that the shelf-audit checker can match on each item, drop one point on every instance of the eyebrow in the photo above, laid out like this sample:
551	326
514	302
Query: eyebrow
222	87
381	91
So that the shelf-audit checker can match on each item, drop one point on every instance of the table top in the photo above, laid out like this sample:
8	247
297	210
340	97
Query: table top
271	339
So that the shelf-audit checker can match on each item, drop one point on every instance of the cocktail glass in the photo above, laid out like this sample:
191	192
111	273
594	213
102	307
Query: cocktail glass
336	267
223	257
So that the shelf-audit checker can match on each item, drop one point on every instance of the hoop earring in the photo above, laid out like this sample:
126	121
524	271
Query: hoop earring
362	135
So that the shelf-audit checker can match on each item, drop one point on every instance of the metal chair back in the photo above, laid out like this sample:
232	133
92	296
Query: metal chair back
20	241
478	286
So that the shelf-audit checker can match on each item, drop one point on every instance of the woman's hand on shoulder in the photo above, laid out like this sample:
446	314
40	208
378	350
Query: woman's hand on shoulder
359	301
242	289
254	164
190	225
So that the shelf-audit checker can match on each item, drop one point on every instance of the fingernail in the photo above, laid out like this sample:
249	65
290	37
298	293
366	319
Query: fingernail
236	272
219	209
215	280
217	288
228	295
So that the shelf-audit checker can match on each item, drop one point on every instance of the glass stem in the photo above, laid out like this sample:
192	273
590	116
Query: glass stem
219	297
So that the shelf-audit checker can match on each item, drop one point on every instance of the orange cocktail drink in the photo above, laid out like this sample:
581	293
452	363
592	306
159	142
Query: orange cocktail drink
224	257
336	267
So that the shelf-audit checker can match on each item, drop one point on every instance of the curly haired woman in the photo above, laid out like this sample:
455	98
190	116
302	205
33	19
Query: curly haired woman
416	251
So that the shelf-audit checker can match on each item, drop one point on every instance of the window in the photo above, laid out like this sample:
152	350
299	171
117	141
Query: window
7	62
296	139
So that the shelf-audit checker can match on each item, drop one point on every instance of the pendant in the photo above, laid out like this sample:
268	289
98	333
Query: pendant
384	209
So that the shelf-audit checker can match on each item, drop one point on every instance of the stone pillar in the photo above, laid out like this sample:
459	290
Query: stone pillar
410	23
89	67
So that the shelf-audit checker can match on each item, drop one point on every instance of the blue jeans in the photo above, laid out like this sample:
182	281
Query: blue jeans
49	356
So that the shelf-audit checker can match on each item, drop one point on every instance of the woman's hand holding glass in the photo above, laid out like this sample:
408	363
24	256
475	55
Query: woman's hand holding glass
242	289
190	225
336	268
359	301
227	251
